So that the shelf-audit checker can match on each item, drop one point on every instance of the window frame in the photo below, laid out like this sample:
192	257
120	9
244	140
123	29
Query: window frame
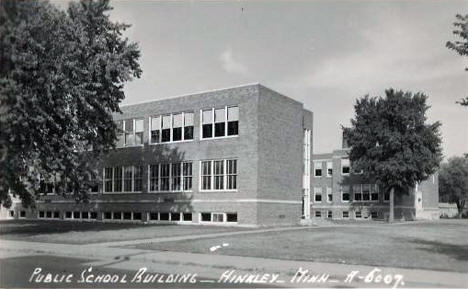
342	192
329	192
170	177
225	175
319	167
134	132
343	166
329	167
224	217
171	128
213	122
316	189
122	179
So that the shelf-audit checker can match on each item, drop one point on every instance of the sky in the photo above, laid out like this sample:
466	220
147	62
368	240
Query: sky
325	54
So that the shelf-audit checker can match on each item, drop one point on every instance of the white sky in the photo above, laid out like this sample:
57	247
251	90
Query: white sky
322	53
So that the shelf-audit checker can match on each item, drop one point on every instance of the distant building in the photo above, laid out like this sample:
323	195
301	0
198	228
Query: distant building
338	193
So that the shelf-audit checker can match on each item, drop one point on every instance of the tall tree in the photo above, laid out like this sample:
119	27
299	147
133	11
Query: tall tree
453	182
460	46
392	143
61	77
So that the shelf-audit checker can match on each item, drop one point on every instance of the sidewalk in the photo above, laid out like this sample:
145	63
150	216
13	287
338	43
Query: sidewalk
213	265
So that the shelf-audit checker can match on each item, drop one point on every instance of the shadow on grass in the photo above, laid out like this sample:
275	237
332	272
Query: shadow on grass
25	227
459	252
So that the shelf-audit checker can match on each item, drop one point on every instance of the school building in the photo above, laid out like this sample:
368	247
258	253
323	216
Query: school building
236	156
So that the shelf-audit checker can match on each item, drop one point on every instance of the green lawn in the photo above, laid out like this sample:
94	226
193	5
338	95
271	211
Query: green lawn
441	245
72	232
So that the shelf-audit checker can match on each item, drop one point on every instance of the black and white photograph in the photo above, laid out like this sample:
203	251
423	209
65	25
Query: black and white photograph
233	144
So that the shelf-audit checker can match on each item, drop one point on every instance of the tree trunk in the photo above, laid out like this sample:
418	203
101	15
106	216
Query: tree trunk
391	216
460	206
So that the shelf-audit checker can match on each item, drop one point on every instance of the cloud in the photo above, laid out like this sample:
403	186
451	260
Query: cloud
394	53
230	64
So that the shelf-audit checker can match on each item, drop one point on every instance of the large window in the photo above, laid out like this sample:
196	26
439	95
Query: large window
218	175
220	122
357	191
215	217
171	127
365	193
123	179
130	132
170	177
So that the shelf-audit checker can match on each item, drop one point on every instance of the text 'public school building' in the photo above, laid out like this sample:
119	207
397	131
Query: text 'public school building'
235	156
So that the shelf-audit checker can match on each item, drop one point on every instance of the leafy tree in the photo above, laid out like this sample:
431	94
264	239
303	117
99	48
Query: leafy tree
460	46
453	182
392	143
61	78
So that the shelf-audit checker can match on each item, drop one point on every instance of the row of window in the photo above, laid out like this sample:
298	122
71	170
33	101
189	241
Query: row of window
175	127
11	214
345	214
215	175
318	168
361	193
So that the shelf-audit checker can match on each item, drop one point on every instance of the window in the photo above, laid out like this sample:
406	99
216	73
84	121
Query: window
231	217
165	169
128	176
358	214
41	214
76	215
318	214
318	194
374	215
220	122
345	195
175	216
345	166
94	184
176	177
117	215
117	179
120	133
187	217
206	217
231	166
357	191
137	215
108	174
84	215
127	215
68	215
22	214
217	217
138	179
170	177
329	195
207	123
375	193
366	192
93	215
164	216
154	178
318	169
188	125
329	169
56	215
177	123
12	213
155	129
154	216
187	176
107	215
171	127
49	214
386	197
132	132
166	128
218	175
345	214
233	120
330	214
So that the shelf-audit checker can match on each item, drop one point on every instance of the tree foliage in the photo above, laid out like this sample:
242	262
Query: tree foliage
391	142
460	46
61	77
453	181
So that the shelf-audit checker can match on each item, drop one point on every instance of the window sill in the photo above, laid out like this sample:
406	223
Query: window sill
218	137
217	191
168	192
171	142
121	193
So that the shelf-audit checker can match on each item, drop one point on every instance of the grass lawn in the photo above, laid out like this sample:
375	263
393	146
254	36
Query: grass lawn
72	232
441	245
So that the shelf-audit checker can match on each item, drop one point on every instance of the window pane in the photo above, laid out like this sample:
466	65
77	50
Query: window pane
164	177
220	129
129	125
187	217
154	177
187	172
175	216
233	113
218	175
177	134
177	120
128	174
166	121
138	125
206	175
207	130
231	217
188	119
164	216
117	179
138	179
166	135
176	172
155	123
206	217
188	132
219	115
233	128
207	117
